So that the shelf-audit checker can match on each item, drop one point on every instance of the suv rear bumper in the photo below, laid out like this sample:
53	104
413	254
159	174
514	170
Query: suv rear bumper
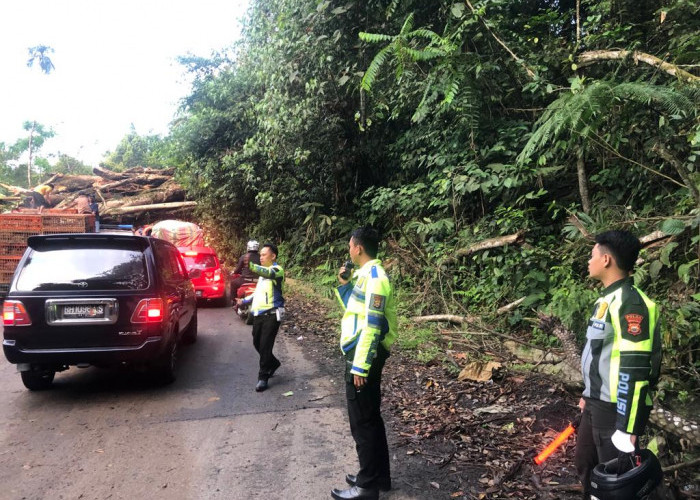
147	351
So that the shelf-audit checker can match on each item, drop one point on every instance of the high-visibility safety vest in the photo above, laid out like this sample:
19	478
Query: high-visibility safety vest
370	315
622	357
268	291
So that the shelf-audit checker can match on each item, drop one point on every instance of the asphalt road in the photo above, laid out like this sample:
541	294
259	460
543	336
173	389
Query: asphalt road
107	434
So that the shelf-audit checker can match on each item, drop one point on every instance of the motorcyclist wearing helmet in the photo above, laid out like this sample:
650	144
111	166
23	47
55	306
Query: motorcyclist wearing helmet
620	361
243	268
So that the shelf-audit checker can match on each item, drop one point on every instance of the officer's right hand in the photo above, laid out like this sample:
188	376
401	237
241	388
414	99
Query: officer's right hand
340	277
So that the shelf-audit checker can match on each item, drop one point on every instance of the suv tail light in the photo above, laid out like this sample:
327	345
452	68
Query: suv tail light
15	314
217	275
148	311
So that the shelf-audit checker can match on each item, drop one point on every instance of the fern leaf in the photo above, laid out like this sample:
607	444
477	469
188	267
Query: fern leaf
670	100
373	70
375	37
422	55
407	25
392	8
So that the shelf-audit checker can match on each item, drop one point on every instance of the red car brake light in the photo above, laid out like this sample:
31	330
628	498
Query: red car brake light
190	253
217	275
148	311
15	314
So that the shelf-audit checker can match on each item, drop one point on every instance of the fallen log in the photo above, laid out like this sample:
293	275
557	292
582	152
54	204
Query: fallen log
487	245
73	183
147	208
169	171
451	318
16	190
509	307
168	192
109	174
138	182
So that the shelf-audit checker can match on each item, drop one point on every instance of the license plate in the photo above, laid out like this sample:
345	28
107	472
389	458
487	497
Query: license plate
97	311
199	293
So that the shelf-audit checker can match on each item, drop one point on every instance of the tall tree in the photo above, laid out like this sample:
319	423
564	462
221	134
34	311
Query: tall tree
37	136
40	55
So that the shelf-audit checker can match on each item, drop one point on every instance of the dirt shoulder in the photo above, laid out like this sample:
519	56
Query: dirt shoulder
452	439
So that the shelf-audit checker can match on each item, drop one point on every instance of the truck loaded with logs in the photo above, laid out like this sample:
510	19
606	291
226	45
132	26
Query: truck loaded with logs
80	203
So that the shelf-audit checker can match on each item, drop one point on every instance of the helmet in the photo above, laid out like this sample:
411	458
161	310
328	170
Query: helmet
252	246
636	483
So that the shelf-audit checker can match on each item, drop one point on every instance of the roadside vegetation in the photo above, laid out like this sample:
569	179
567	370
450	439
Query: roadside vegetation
451	124
488	140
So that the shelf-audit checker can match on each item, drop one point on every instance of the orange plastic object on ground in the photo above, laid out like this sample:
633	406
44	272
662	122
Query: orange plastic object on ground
563	436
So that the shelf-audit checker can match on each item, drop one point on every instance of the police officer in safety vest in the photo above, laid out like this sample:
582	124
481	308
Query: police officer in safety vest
267	309
620	361
368	330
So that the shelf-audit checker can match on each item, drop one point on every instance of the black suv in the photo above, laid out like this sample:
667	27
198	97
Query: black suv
97	299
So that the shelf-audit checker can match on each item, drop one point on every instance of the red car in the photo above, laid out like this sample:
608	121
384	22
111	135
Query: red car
213	282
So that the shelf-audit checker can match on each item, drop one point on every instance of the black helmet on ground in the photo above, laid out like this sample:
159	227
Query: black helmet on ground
636	483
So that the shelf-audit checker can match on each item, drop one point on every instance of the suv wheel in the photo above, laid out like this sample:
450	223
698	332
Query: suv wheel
164	368
38	380
190	335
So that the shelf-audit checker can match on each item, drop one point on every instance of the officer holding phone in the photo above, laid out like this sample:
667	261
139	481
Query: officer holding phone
368	330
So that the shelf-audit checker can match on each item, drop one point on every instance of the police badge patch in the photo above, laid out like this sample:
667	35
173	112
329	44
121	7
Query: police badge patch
377	302
634	323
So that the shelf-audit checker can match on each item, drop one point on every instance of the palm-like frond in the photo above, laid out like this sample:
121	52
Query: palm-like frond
670	100
392	8
375	37
407	25
575	112
373	70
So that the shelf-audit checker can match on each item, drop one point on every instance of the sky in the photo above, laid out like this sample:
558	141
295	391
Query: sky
115	65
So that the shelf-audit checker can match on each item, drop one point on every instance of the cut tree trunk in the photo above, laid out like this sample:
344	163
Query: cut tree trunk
155	207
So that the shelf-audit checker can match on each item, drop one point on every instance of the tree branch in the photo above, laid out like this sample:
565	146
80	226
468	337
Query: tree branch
486	245
527	69
666	156
594	56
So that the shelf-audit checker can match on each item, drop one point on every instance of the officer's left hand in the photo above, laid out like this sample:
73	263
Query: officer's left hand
359	381
623	441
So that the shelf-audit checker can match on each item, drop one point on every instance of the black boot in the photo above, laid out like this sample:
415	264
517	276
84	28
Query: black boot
351	479
356	493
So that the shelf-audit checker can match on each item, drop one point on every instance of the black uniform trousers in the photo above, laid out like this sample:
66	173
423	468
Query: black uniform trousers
593	440
265	329
366	424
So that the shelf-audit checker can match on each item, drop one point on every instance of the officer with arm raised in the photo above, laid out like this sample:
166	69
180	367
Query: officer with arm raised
267	309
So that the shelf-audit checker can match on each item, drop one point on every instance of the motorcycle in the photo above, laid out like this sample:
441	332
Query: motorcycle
244	293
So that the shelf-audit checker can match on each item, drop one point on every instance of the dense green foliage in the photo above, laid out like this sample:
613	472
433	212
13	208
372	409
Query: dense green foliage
135	150
448	123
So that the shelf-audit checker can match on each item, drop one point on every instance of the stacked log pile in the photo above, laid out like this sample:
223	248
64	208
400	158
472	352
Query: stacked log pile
136	196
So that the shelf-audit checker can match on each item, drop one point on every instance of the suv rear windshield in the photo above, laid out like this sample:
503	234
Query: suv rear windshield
199	261
84	267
